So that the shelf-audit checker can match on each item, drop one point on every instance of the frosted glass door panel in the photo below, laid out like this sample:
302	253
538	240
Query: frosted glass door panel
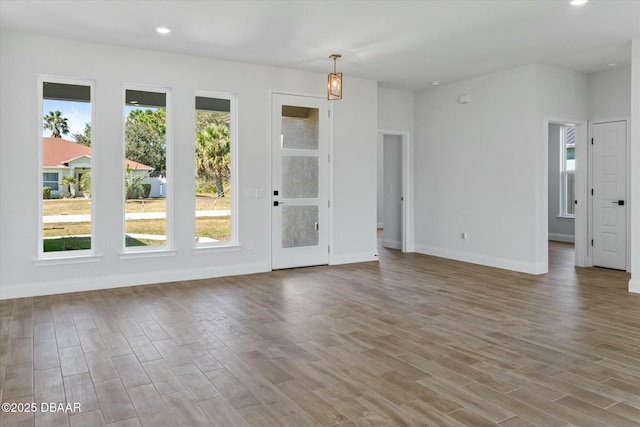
299	226
299	177
299	128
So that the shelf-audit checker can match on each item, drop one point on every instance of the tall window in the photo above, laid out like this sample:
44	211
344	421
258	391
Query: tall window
66	164
214	166
567	170
145	168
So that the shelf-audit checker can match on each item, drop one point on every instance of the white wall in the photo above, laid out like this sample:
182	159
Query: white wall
395	113
562	95
481	168
395	109
24	56
560	229
392	184
354	173
634	283
610	94
475	170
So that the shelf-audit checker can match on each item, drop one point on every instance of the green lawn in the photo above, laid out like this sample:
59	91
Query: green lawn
218	228
78	206
79	243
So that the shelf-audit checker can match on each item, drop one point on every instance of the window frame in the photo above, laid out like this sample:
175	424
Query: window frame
233	173
564	176
168	247
80	253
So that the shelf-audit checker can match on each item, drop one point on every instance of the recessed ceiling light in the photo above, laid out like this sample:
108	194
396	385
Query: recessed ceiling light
163	30
435	83
578	2
612	64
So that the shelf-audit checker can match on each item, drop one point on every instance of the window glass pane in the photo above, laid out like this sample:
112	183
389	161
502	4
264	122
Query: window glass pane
66	166
570	147
145	168
570	194
567	168
50	179
213	150
571	159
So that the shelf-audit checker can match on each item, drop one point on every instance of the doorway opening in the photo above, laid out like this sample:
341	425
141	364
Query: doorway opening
394	191
567	198
562	173
561	192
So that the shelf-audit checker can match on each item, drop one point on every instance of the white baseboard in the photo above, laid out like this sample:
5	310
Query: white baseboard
22	290
557	237
393	244
506	264
337	259
634	286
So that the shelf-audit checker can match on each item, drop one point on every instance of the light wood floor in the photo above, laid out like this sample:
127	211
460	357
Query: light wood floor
413	340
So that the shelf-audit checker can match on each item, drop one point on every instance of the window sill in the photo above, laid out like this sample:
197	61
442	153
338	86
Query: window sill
565	218
218	248
148	254
67	259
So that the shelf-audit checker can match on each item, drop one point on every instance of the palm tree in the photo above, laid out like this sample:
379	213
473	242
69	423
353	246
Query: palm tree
56	123
213	145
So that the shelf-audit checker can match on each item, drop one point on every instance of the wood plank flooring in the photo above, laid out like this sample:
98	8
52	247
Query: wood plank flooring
410	341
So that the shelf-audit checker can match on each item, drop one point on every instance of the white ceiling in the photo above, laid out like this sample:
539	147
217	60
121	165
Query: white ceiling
402	44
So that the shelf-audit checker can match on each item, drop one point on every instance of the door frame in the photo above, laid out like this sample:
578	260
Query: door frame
269	177
627	184
583	215
408	244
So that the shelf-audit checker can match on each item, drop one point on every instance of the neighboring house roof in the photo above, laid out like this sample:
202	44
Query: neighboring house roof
58	152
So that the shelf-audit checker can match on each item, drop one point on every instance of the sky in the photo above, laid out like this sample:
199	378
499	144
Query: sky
76	113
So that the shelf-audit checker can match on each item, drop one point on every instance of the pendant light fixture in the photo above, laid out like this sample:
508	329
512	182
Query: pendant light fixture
334	84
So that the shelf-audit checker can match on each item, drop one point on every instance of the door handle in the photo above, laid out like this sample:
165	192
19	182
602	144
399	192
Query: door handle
619	202
316	226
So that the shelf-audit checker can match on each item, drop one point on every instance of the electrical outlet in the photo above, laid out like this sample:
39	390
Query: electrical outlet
249	245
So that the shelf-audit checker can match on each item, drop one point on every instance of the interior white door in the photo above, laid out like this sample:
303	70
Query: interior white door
609	193
300	139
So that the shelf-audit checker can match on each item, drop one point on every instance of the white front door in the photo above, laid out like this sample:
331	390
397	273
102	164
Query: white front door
300	139
609	195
